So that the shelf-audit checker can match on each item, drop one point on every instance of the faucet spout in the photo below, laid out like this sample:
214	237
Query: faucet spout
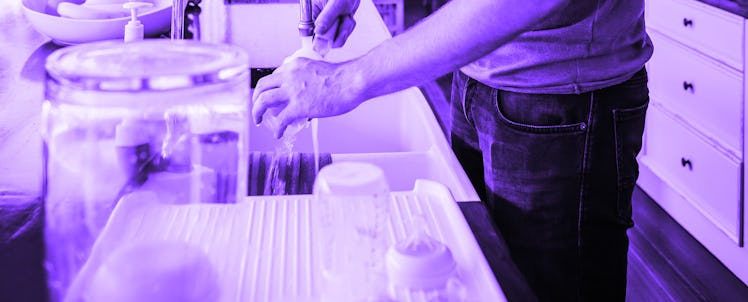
306	22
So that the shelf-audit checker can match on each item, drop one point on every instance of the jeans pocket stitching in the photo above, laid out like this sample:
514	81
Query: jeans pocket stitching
619	177
624	182
555	129
626	114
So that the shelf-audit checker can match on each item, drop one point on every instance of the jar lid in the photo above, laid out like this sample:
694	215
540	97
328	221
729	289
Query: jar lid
156	64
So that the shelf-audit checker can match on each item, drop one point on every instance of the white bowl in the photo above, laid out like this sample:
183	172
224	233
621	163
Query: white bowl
67	31
155	271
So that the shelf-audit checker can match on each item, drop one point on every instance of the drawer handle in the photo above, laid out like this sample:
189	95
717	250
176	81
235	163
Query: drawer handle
688	86
686	162
687	22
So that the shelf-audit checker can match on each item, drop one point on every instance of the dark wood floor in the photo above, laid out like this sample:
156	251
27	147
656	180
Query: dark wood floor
668	264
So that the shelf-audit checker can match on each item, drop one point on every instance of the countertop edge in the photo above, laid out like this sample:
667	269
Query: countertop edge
728	6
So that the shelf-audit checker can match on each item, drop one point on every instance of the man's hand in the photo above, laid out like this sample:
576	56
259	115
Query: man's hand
303	89
461	32
333	21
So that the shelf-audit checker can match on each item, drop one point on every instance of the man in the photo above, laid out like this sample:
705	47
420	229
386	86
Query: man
549	104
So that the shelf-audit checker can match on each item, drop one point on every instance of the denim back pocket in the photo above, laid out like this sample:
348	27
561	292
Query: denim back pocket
543	113
536	159
628	128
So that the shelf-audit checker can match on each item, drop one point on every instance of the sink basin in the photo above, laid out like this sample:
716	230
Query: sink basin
397	132
393	123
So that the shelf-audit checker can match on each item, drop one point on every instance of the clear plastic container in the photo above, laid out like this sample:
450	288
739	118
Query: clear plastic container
159	116
352	214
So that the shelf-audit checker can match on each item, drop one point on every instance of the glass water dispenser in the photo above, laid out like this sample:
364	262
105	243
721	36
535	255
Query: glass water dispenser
159	118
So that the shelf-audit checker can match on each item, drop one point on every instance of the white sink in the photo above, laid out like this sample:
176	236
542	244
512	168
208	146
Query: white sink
393	123
397	132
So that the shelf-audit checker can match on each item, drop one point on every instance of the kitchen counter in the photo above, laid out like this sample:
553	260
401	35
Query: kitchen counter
729	6
22	276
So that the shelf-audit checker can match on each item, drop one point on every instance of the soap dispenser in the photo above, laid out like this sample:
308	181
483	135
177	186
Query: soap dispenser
133	28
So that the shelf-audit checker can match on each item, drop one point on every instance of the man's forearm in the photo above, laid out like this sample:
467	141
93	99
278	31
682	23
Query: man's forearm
459	33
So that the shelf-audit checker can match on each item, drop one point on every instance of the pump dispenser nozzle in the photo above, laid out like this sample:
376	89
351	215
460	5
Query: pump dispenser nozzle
134	29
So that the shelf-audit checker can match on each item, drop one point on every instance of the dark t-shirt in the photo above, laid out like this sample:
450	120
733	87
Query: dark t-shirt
588	45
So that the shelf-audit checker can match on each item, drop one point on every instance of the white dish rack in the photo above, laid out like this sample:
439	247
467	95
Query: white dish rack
263	248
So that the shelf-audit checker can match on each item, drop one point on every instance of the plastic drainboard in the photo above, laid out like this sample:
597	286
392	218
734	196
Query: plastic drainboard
262	249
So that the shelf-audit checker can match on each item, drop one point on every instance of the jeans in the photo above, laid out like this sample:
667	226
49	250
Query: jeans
557	173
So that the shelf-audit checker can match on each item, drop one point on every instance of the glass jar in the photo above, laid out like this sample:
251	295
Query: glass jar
165	117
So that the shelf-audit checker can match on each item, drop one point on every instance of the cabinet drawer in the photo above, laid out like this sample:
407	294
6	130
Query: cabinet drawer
706	177
702	91
712	31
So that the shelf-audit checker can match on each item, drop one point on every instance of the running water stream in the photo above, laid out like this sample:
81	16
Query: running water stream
286	166
315	144
275	183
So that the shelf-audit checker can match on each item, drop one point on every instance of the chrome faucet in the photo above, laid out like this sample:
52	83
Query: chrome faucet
306	22
193	8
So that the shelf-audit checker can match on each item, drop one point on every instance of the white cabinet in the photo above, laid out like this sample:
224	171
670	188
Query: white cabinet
692	164
709	178
717	33
701	90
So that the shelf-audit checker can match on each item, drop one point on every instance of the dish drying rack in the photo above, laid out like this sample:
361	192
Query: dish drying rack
263	247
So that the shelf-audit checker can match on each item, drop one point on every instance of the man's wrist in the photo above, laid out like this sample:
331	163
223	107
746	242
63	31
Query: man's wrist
354	82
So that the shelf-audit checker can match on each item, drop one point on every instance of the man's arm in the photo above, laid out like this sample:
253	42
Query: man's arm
460	32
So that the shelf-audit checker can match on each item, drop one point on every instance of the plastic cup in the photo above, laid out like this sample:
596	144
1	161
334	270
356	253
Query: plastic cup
352	216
